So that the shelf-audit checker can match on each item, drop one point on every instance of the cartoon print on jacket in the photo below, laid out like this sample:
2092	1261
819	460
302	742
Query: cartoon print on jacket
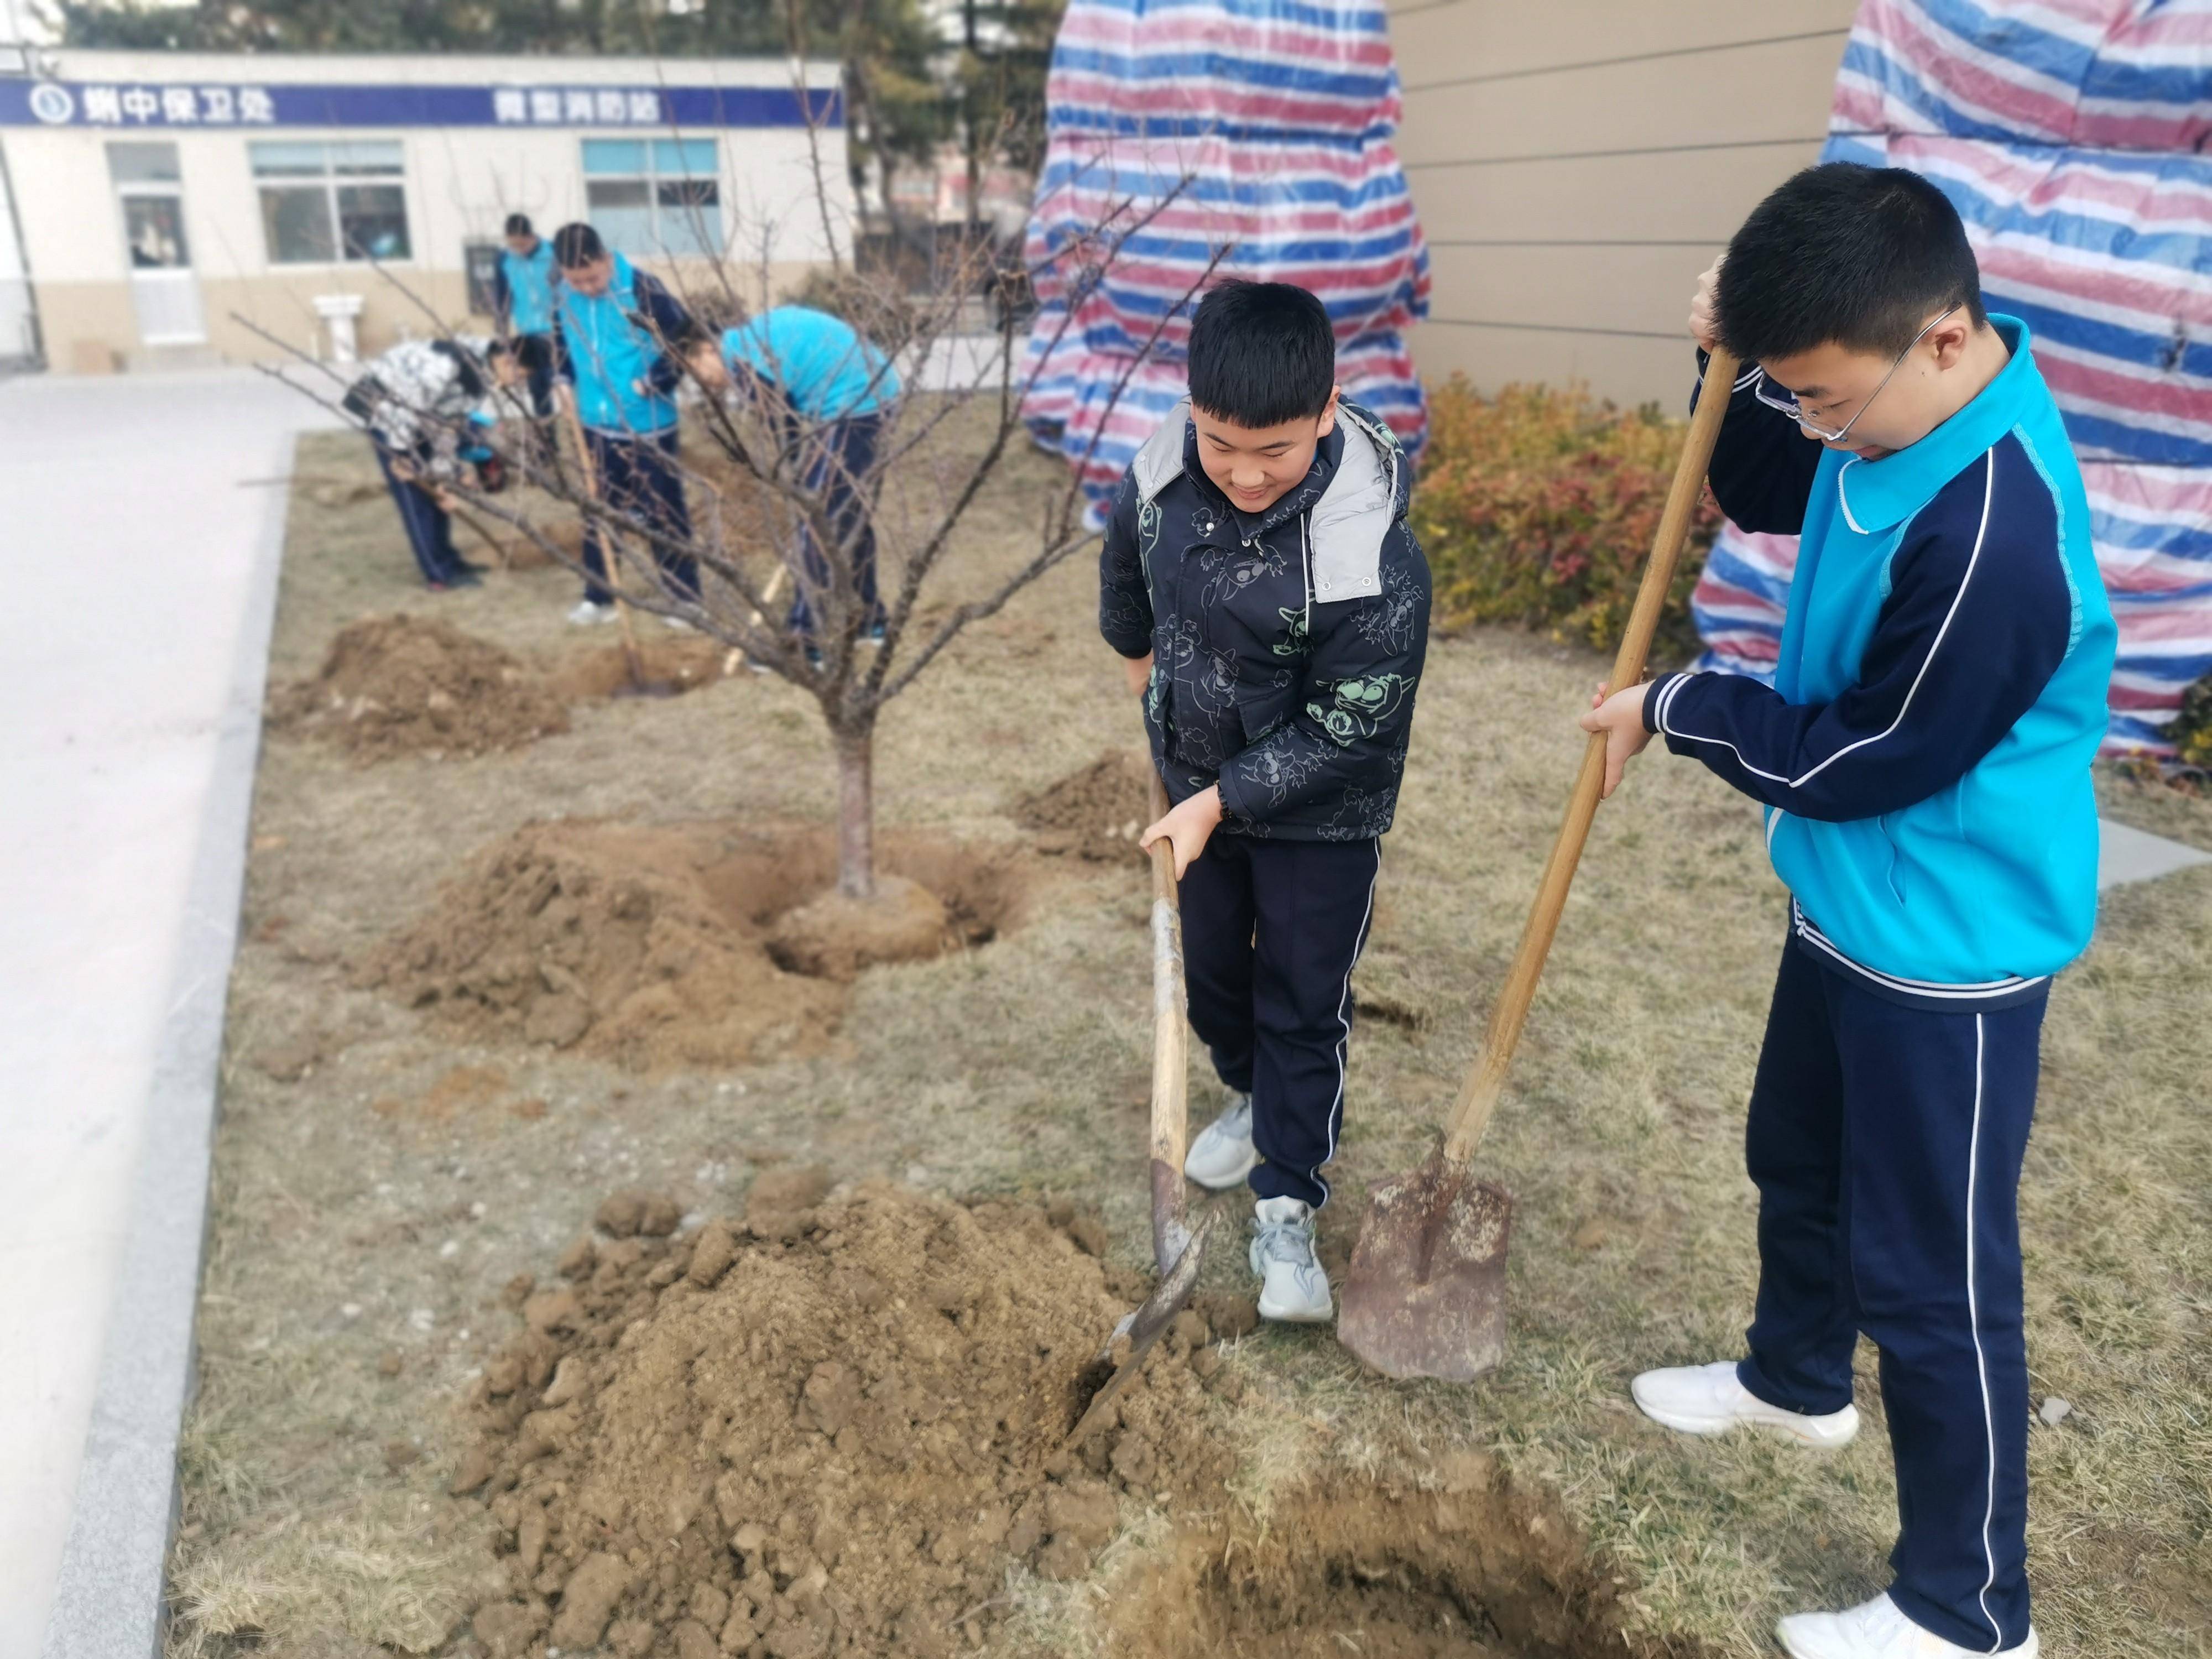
1298	706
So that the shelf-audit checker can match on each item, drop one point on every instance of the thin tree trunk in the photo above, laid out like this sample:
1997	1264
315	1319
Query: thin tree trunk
856	812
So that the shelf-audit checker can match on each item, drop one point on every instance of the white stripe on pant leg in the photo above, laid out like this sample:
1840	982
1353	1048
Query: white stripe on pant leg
1343	1018
1981	1366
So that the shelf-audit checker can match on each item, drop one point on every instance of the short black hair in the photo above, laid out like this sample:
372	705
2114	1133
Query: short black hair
577	245
518	224
1855	256
1261	354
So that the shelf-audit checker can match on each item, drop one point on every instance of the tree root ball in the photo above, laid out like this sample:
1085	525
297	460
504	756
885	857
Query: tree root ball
835	936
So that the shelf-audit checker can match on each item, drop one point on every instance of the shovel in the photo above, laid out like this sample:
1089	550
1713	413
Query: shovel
640	685
1177	1251
1426	1293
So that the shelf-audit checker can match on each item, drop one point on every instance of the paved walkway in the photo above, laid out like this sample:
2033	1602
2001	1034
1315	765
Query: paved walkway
140	577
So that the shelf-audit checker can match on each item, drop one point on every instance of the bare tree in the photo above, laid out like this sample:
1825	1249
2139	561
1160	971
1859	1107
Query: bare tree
938	448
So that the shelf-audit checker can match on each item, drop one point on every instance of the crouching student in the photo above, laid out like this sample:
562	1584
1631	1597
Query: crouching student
615	328
1260	578
833	391
1923	764
417	400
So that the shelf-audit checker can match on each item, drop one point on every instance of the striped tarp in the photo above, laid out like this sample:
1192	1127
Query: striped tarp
1179	127
2067	133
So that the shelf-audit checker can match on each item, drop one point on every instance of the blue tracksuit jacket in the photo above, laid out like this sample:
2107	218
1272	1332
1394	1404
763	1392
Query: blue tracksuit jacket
523	291
1924	754
611	347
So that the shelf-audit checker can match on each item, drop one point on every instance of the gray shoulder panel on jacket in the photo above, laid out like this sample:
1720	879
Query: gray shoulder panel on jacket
1355	512
1160	463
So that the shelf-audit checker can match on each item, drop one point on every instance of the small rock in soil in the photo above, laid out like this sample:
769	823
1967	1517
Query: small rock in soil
588	1600
288	1061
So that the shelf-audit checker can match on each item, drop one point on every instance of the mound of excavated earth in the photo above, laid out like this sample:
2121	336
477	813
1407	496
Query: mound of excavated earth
1095	813
834	1427
406	685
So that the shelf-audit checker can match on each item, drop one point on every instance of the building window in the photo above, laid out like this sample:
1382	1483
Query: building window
322	203
655	196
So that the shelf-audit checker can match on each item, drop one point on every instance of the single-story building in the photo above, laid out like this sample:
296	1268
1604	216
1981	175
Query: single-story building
161	206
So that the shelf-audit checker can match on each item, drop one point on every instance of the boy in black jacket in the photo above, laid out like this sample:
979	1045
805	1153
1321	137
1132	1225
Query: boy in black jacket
1260	578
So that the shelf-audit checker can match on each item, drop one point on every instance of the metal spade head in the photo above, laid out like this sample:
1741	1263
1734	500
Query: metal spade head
1144	1327
1426	1293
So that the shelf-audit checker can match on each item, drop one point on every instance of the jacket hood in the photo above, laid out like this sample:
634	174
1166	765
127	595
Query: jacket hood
1365	495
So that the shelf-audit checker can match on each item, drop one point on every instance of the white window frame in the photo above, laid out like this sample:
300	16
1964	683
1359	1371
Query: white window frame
331	181
653	179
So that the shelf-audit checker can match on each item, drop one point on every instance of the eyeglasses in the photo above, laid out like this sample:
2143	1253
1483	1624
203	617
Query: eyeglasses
1787	401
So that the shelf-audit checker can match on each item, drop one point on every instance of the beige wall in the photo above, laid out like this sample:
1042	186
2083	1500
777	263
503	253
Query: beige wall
1576	163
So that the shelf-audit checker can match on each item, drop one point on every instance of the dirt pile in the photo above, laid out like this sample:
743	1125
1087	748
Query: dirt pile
1095	813
406	685
680	662
704	944
829	1428
608	938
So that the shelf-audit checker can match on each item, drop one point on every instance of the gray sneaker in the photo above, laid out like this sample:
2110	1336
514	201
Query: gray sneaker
1293	1287
1222	1155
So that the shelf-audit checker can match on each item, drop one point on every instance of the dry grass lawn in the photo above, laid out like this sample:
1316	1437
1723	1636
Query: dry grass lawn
367	1214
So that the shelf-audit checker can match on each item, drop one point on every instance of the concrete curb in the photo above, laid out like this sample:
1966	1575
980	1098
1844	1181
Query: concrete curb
108	1598
2126	855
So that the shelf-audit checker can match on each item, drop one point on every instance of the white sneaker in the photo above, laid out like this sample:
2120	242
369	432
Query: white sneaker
1222	1155
1293	1287
1708	1400
1878	1629
586	613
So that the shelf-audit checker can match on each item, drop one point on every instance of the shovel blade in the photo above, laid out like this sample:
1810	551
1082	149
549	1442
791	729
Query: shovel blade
1143	1328
1426	1293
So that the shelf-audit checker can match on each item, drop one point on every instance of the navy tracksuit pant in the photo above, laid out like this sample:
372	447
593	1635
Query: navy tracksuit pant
535	353
637	478
1270	931
429	528
844	452
1886	1141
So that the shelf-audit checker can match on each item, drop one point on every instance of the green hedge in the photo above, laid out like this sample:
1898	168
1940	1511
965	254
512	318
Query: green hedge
1537	507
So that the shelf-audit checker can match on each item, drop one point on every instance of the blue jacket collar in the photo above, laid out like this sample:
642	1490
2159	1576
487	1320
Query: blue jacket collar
1878	496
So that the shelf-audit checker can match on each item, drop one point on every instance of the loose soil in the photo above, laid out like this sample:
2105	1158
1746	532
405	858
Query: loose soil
1094	813
405	685
831	1426
672	663
408	685
698	945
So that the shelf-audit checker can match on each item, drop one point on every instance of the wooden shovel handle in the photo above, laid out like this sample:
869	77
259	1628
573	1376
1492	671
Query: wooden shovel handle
1170	1052
630	652
1478	1097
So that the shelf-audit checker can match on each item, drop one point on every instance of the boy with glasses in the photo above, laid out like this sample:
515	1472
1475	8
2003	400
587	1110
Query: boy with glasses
1924	764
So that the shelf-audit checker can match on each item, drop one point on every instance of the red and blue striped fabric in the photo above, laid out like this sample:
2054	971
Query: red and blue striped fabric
2067	134
1265	126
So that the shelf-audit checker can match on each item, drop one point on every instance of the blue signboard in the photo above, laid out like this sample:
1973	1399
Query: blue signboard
175	104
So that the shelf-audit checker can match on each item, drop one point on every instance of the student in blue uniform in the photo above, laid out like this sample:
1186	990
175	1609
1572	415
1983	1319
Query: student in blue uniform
1922	762
522	292
614	327
837	391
